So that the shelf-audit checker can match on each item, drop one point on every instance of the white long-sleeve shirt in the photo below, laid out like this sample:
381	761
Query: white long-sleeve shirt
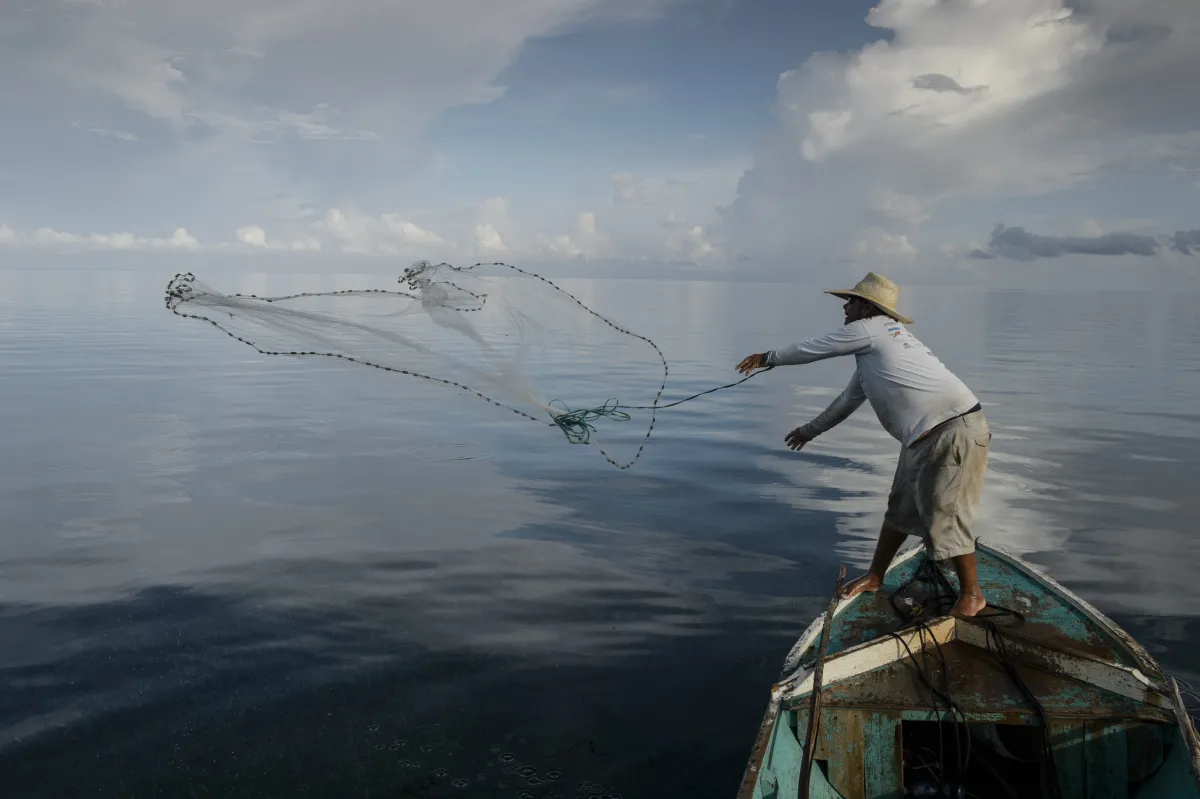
910	390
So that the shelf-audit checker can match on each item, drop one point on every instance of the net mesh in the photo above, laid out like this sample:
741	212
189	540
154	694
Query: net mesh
492	332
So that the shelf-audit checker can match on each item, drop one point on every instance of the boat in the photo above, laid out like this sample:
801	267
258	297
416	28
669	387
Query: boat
1040	695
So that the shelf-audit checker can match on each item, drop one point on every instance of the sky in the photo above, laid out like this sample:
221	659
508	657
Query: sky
725	136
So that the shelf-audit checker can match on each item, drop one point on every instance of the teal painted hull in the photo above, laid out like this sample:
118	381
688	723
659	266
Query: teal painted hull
1042	696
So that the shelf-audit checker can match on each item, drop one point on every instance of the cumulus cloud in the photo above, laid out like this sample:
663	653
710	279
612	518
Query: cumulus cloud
970	102
355	232
255	238
207	64
350	232
252	236
686	241
410	233
493	227
344	89
488	239
49	239
669	215
585	242
878	242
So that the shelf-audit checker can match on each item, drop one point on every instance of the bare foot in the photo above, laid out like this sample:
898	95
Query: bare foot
968	605
868	584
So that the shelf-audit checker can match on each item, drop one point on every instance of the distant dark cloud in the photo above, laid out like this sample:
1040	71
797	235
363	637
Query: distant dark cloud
1186	242
936	82
1018	244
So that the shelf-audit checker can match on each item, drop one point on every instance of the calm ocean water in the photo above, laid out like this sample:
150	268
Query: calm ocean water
225	574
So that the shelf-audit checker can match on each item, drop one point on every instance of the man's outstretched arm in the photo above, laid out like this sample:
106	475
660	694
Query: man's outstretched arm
838	411
848	340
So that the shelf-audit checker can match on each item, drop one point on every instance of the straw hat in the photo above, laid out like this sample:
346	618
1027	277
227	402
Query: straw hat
879	291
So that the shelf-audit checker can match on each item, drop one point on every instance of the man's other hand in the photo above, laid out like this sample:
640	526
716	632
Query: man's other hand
752	362
796	439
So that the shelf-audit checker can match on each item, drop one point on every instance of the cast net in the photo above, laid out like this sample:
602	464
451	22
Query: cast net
489	332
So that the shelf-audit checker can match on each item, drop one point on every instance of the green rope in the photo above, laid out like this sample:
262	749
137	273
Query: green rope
576	424
701	394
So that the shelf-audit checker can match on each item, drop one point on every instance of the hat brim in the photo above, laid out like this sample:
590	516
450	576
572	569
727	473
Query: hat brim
892	312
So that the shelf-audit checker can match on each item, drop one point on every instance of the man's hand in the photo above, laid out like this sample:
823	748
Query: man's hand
796	439
752	362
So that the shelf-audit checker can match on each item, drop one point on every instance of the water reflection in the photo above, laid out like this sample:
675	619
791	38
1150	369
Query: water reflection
324	675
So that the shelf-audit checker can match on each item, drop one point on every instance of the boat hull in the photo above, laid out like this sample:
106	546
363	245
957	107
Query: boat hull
1041	692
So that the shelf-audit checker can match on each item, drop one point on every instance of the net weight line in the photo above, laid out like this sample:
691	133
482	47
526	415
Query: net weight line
576	424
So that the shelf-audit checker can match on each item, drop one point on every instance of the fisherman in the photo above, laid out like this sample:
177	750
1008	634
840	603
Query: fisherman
935	417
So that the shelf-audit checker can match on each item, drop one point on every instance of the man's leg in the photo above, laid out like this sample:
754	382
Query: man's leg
970	595
901	516
886	549
951	484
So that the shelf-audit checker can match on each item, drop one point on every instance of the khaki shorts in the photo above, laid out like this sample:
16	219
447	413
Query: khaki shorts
938	483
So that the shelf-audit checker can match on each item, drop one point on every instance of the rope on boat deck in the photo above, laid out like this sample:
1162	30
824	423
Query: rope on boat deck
1010	668
929	572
